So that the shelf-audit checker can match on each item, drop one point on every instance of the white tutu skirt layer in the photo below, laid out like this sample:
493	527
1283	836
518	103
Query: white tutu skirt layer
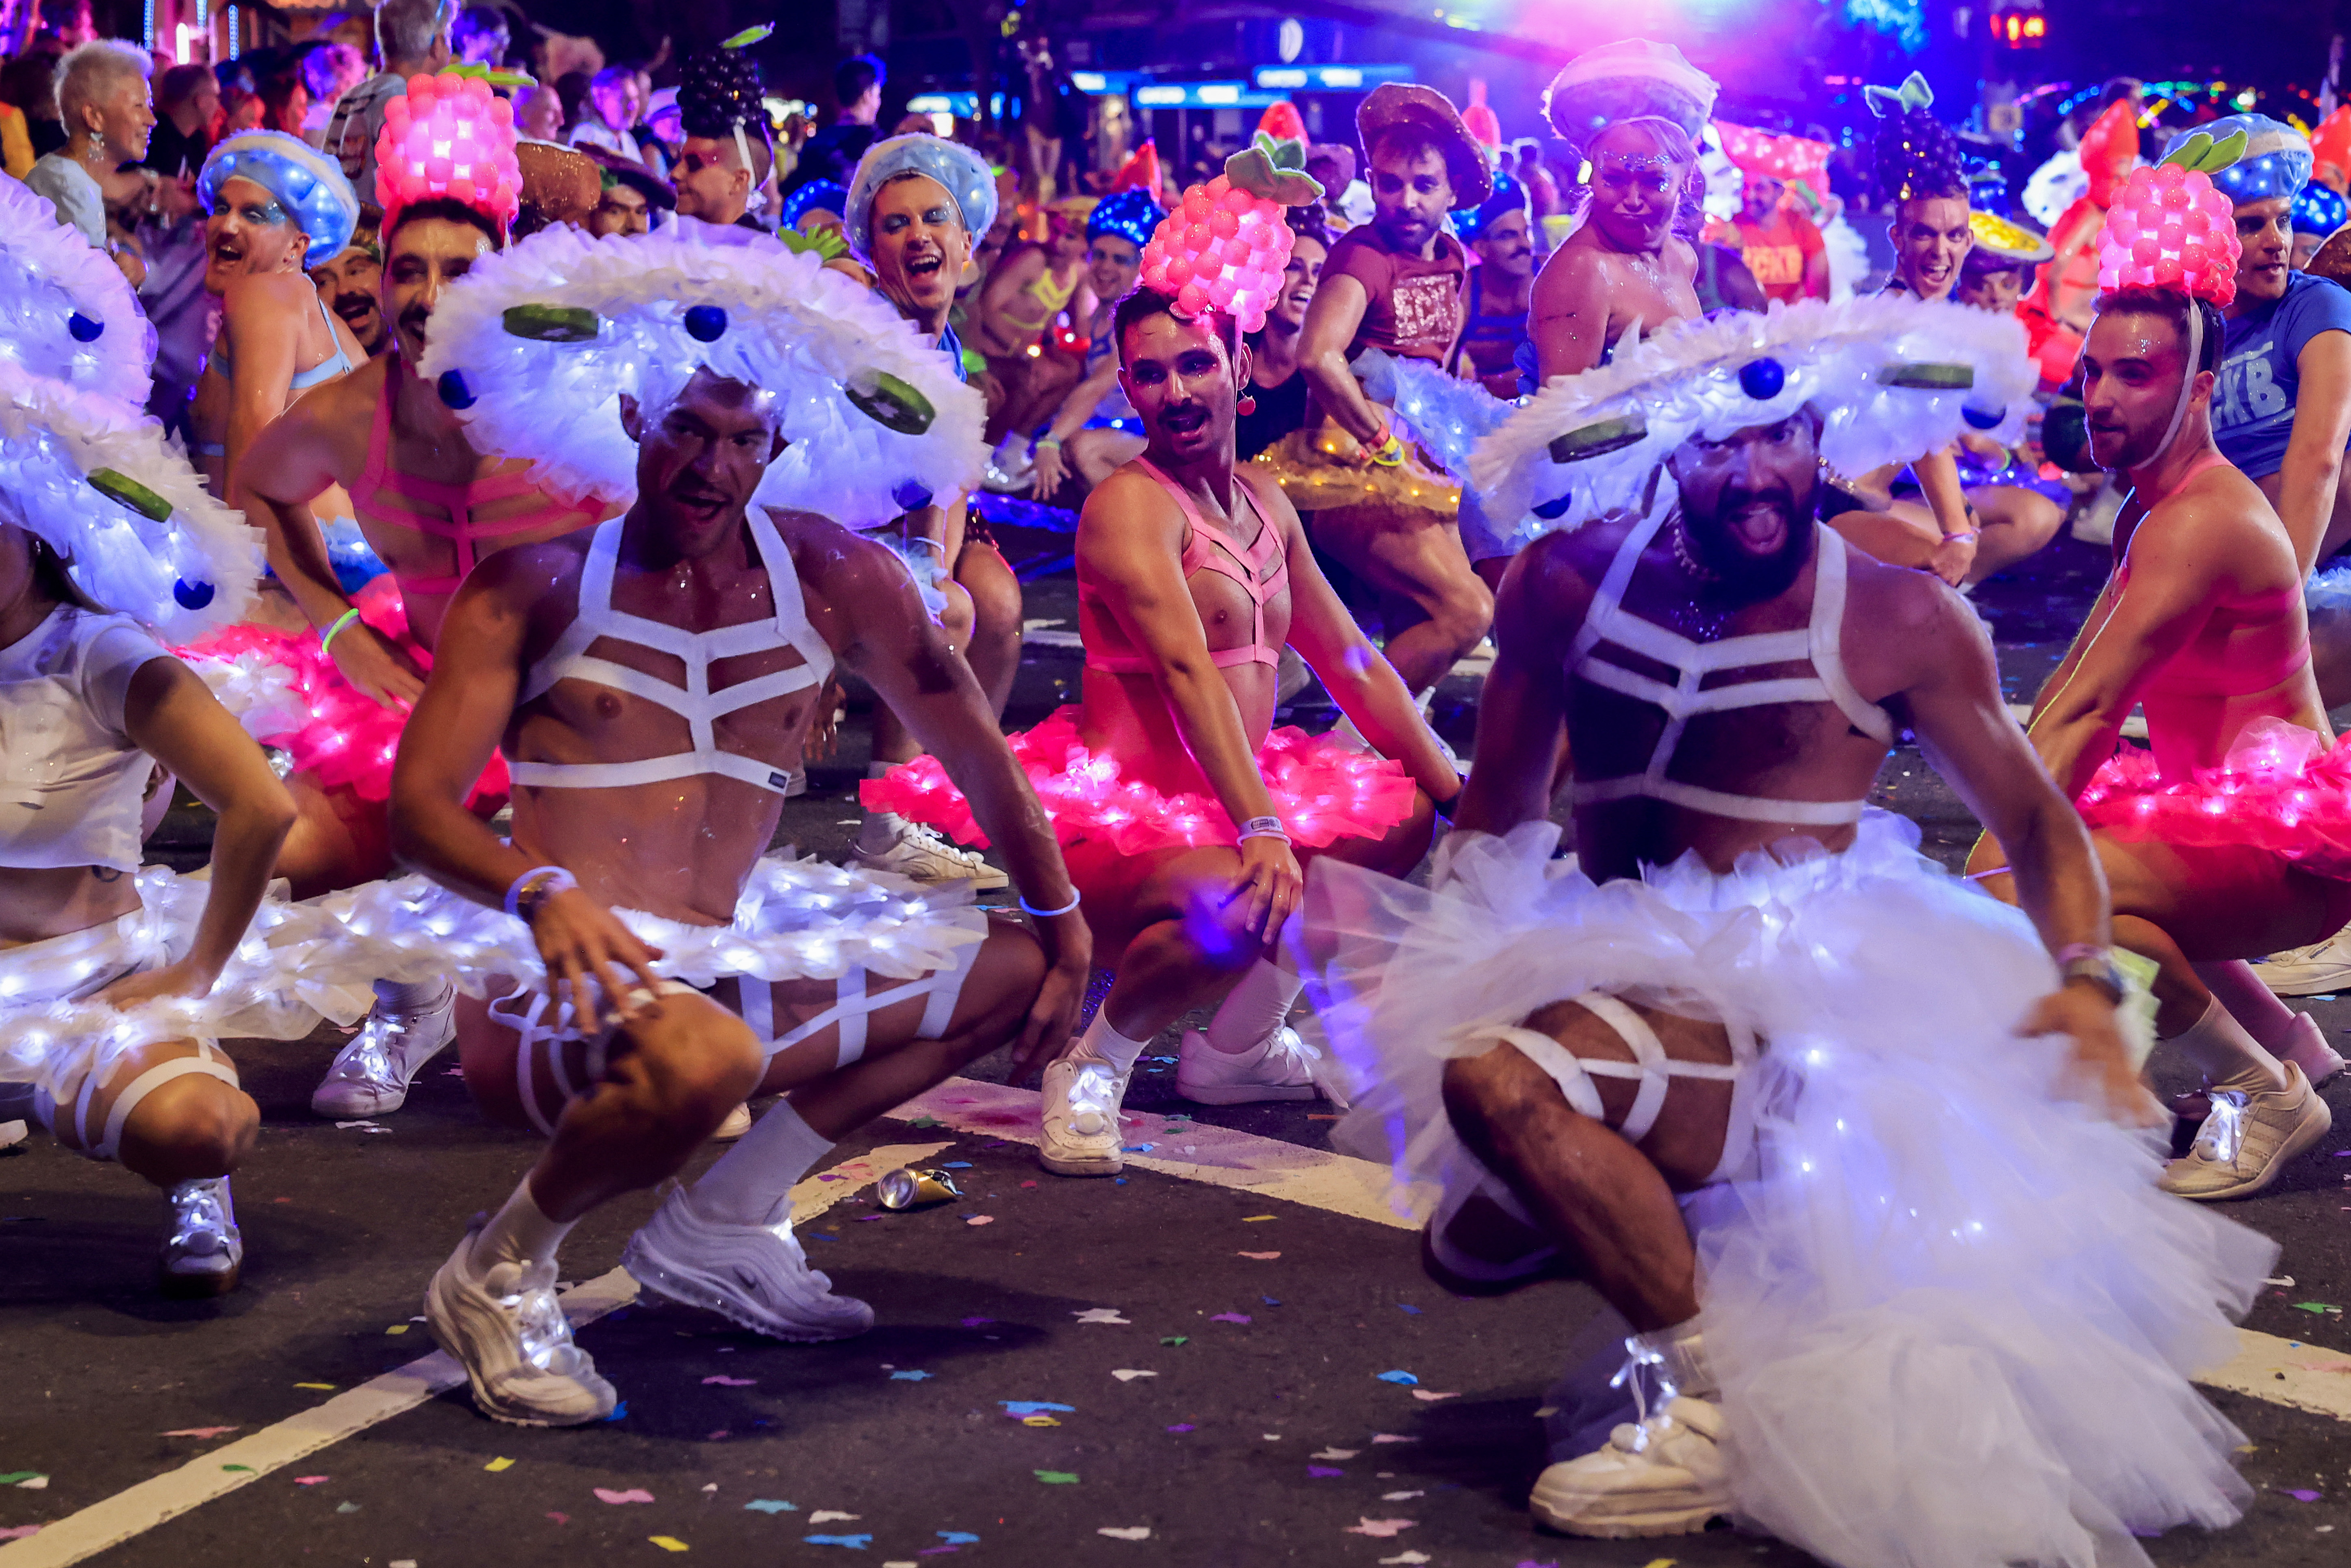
1953	1316
796	920
295	969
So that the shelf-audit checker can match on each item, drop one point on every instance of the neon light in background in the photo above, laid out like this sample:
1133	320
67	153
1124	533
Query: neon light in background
236	35
148	23
1904	21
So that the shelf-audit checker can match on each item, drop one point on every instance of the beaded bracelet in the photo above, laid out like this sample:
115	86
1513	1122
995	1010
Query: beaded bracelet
327	638
1075	899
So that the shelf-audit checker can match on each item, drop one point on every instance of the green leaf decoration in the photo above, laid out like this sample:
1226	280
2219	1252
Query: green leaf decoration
116	486
1599	439
551	323
502	76
747	36
1914	93
2199	153
891	402
1928	377
1274	170
825	243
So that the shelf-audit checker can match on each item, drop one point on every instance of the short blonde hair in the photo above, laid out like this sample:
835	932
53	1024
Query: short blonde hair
93	71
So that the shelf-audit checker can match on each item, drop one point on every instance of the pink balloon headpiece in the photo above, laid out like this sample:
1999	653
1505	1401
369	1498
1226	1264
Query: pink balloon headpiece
451	137
2170	228
1224	248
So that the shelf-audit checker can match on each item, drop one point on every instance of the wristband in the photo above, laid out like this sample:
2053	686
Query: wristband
327	638
927	543
539	883
1962	534
1043	442
1264	828
1389	452
1049	913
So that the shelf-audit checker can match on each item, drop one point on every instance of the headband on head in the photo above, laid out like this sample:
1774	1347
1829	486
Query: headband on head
1226	247
2317	210
449	138
137	528
308	183
2276	160
1132	215
65	309
534	346
1509	196
1892	376
963	173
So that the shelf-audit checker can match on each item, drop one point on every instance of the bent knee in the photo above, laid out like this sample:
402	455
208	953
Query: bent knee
207	1129
1465	610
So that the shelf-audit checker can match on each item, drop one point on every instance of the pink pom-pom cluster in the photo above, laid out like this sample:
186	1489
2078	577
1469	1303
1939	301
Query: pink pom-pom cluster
452	137
1222	249
2170	228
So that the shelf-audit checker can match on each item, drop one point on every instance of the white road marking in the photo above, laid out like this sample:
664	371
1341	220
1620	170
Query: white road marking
209	1476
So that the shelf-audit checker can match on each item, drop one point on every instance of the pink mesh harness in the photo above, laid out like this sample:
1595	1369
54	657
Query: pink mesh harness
1226	560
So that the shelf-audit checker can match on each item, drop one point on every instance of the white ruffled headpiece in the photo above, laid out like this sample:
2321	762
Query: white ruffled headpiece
65	310
1892	377
138	531
533	348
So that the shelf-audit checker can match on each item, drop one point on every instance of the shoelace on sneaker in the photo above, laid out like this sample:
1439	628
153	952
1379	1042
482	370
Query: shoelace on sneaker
2223	1132
1093	1089
540	1327
928	838
197	1211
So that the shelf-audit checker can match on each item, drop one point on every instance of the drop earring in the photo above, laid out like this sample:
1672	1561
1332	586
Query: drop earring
1246	405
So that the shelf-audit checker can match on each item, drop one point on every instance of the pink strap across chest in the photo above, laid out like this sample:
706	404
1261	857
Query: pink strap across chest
380	479
2186	675
1209	549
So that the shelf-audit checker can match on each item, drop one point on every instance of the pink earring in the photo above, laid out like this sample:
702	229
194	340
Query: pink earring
1246	406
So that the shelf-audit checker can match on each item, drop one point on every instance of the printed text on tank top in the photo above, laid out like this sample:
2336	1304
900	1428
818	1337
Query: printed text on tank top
379	481
1208	548
2233	675
1609	625
598	624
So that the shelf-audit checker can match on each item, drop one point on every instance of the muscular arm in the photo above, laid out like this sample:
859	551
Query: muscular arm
1522	714
289	463
264	334
1331	322
1568	313
2313	450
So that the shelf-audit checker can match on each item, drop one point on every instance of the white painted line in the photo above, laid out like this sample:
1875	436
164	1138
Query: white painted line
2287	1372
144	1507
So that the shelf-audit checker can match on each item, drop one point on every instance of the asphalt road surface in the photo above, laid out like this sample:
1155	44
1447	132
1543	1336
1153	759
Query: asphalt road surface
1228	1357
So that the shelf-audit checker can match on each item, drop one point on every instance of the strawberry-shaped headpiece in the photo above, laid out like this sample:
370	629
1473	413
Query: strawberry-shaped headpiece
450	137
2170	228
1282	121
1224	248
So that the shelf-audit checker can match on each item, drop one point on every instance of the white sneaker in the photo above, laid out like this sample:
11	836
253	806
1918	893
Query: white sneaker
737	1122
919	853
1280	1069
1082	1098
1664	1476
508	1332
205	1254
2247	1140
753	1275
2311	971
371	1074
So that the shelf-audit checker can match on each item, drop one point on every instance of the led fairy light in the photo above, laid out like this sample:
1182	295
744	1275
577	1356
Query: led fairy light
451	137
1224	248
134	523
65	310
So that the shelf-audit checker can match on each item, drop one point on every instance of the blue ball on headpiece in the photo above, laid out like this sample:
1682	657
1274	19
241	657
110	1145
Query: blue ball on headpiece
1132	215
705	323
83	328
1982	419
192	595
455	393
2317	210
2275	163
1554	508
1763	378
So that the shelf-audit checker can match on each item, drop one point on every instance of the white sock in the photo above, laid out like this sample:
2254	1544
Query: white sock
409	997
881	829
1255	1008
743	1187
1106	1044
518	1233
1681	1352
2227	1054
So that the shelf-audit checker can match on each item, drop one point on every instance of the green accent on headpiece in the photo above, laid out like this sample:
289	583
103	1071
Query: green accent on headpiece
826	243
1928	377
1598	440
116	486
1274	170
501	76
551	323
1914	93
747	36
2201	153
891	402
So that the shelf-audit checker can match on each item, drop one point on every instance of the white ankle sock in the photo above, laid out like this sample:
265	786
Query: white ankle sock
1255	1008
2236	988
743	1187
2229	1056
881	828
409	997
518	1233
1106	1044
1681	1352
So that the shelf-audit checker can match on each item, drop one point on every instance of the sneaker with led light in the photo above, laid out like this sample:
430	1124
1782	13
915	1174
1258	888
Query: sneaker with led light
371	1074
756	1276
1280	1068
2247	1139
205	1254
505	1327
916	851
1663	1477
2313	972
1081	1105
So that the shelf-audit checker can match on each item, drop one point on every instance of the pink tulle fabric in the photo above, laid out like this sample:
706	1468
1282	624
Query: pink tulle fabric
1323	790
351	738
2281	787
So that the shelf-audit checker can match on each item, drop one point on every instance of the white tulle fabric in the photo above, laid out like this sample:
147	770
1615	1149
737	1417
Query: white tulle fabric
1685	380
1953	1316
1444	414
52	438
793	327
258	693
297	967
796	920
48	274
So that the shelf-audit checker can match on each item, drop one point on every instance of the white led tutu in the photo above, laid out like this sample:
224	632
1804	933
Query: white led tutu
663	307
89	475
796	920
295	967
1953	1317
65	309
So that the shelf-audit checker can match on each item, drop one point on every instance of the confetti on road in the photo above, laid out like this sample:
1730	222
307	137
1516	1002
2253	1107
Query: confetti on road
560	1518
307	1480
1662	1561
668	1543
1229	1318
1101	1315
1408	1307
1260	1257
1404	1557
1400	1496
1433	1398
2299	1495
1032	1407
20	1532
1382	1528
1129	1373
1181	1427
855	1543
958	1537
1125	1531
2285	1282
1176	1339
347	1508
327	1387
1335	1454
397	1327
498	1464
1058	1477
723	1380
634	1494
1391	1437
1322	1472
978	1323
908	1376
19	1478
832	1516
979	1219
1398	1376
249	1469
2316	1308
771	1505
1255	1218
200	1432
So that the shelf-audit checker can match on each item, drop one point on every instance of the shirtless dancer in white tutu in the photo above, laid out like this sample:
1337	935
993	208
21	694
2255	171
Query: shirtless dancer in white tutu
1852	1147
652	682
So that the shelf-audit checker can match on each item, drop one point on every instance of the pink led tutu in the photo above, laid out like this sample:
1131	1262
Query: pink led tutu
2281	787
349	739
1323	789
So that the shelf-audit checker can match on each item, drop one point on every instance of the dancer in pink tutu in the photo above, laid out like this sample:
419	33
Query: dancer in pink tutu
2228	841
1182	814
